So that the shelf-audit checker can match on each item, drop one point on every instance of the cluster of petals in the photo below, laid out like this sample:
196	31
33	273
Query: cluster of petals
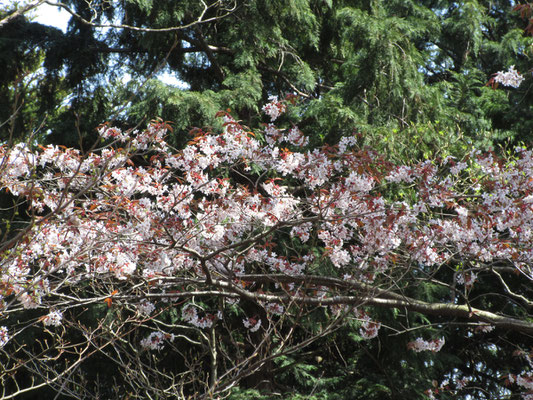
4	336
252	323
53	318
156	340
509	78
369	328
467	279
274	108
213	207
424	345
189	313
146	307
274	308
525	381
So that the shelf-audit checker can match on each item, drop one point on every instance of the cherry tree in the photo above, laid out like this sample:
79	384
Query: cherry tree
212	256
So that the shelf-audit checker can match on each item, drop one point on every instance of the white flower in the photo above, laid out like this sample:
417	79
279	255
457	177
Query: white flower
466	279
53	318
458	168
370	329
297	138
189	313
345	142
146	307
252	324
401	174
528	199
274	109
339	256
29	301
359	183
422	345
4	336
510	78
302	231
274	308
154	341
525	380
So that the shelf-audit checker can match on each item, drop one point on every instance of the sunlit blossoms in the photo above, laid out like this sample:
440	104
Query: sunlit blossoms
424	345
53	318
237	225
509	78
275	108
4	336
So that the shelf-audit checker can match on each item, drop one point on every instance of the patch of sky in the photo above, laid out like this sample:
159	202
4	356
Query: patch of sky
52	16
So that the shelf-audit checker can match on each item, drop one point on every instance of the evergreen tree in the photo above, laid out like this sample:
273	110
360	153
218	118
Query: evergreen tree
408	75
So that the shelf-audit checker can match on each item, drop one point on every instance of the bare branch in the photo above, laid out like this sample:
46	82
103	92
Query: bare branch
198	21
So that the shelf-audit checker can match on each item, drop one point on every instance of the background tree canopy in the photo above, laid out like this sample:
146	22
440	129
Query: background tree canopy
407	77
406	74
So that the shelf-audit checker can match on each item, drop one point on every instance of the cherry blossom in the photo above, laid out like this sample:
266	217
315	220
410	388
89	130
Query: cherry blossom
146	308
253	324
274	109
4	336
509	78
236	220
422	345
53	318
189	314
155	341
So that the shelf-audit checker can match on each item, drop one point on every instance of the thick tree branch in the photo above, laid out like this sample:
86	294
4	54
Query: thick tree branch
438	309
369	296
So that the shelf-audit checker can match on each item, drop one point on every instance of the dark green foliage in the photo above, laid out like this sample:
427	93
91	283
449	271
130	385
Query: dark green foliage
386	69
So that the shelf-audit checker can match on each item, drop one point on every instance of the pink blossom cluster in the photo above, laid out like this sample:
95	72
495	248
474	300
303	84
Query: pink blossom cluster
467	279
525	380
146	307
423	345
4	336
189	313
369	329
156	340
53	318
214	211
252	323
274	308
274	108
509	78
446	387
